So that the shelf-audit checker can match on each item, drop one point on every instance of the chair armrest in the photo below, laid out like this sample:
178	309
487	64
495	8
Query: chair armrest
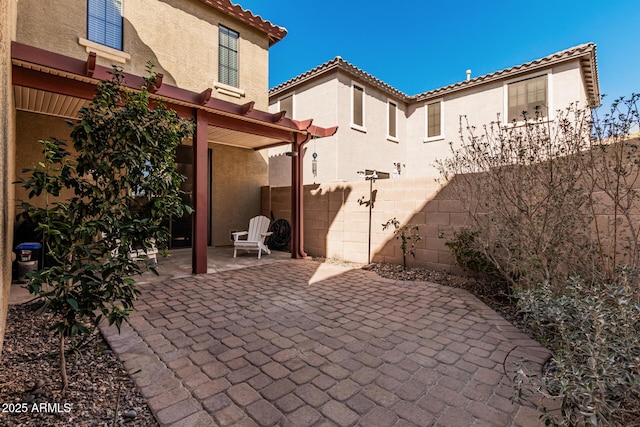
238	234
267	234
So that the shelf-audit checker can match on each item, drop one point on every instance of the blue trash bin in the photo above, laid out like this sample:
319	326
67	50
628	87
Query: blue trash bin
28	256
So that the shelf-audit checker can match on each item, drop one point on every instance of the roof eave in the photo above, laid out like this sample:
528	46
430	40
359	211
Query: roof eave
340	64
588	65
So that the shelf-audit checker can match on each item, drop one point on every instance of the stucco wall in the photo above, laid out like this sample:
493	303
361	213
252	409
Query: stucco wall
7	155
180	37
30	128
481	106
328	99
238	175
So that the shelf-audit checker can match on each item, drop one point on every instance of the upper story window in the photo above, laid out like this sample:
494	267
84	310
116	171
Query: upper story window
286	104
104	22
357	106
434	120
392	120
228	56
527	97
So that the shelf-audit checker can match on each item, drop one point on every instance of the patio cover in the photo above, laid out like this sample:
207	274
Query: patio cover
49	83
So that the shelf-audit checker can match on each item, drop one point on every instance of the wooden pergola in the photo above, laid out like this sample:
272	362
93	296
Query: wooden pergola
38	76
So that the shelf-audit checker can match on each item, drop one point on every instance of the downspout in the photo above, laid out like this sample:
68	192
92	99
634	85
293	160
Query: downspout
297	198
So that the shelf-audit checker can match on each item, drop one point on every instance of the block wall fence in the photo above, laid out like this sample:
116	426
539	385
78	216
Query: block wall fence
336	219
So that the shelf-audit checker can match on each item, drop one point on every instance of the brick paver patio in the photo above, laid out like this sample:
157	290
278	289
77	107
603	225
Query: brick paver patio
298	343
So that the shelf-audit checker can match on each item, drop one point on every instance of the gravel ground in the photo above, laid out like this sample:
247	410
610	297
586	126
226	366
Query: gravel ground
99	387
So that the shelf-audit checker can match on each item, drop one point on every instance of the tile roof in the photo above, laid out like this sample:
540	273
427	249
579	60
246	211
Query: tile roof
586	53
274	32
338	63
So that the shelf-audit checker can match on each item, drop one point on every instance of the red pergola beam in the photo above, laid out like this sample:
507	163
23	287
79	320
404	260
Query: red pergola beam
207	111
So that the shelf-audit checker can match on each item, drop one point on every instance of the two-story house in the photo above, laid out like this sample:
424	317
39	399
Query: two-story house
213	56
383	129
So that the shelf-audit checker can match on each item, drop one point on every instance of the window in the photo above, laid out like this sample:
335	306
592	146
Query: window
357	111
104	22
228	57
434	120
286	104
392	131
528	96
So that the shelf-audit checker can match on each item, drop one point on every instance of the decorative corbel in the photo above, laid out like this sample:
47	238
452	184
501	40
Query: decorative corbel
153	86
247	108
278	117
90	66
205	96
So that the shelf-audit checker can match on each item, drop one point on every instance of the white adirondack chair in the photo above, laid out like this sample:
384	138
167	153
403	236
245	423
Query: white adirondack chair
256	234
139	254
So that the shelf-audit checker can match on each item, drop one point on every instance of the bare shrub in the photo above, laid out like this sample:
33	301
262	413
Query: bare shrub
522	187
555	207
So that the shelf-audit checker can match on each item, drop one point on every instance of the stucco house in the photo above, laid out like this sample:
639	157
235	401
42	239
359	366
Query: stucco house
213	58
384	129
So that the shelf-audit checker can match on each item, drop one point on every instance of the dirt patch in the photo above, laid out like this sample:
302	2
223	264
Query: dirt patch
100	390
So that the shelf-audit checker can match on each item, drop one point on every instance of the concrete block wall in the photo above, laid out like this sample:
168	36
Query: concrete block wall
336	219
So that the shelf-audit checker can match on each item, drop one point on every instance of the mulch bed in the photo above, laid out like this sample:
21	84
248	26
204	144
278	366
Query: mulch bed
100	390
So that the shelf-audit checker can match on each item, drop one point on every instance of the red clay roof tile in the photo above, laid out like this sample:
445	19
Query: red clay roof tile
274	32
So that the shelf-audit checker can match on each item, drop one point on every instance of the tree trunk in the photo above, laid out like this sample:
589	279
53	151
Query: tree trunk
63	367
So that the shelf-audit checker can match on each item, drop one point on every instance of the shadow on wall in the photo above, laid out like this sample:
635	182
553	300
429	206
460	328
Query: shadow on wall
337	219
144	54
432	208
323	215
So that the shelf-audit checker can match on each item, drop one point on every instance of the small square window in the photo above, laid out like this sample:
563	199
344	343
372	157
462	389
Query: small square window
527	98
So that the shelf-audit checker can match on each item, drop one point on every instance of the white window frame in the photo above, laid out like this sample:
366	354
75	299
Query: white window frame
293	104
361	128
505	108
428	138
390	137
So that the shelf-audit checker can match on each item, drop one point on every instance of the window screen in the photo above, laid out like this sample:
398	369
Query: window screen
286	104
392	120
433	120
358	107
528	96
104	22
228	57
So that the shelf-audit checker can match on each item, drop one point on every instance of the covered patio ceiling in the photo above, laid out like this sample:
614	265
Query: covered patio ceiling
40	101
52	84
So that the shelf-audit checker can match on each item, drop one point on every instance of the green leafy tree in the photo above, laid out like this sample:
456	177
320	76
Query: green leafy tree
115	194
408	236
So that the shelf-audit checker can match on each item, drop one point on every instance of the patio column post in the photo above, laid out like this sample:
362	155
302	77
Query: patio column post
200	196
297	190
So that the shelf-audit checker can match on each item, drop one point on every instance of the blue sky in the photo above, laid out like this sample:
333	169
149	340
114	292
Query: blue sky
419	45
